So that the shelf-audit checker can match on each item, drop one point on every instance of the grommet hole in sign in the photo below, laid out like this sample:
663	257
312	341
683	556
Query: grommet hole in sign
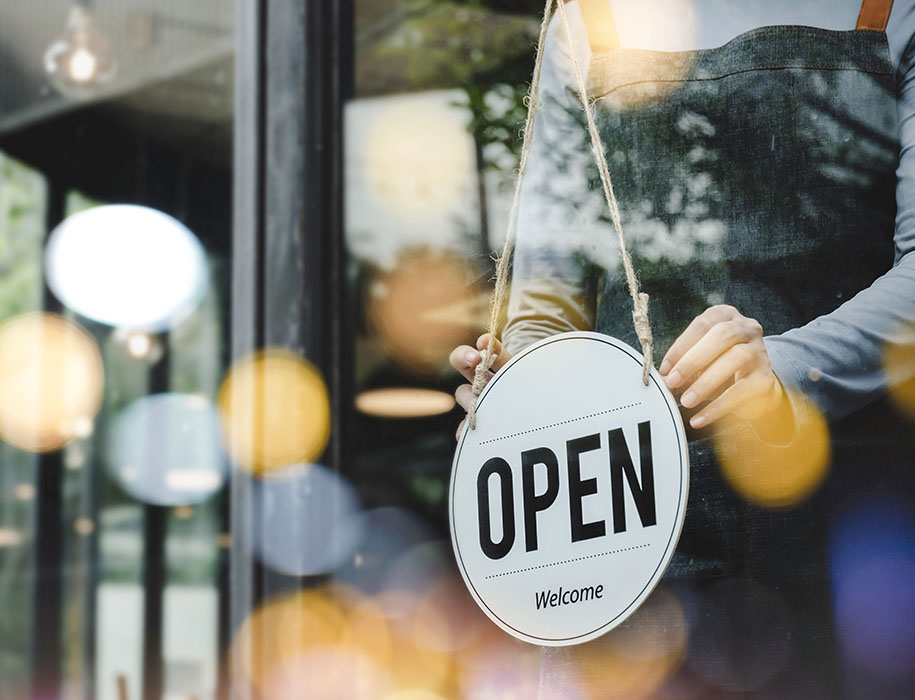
568	500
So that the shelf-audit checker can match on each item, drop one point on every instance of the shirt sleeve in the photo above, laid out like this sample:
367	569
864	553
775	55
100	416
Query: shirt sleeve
560	247
837	360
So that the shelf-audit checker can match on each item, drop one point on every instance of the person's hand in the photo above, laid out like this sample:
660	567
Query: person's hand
721	359
465	360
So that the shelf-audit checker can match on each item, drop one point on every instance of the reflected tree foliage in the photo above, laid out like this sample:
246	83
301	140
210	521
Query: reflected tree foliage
482	48
737	192
22	201
22	197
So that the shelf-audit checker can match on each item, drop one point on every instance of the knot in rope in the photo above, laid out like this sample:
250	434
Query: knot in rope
480	378
643	332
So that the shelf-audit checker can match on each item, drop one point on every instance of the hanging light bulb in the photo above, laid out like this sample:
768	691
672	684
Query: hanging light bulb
82	58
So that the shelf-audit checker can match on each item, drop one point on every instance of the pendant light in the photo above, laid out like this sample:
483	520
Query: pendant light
81	59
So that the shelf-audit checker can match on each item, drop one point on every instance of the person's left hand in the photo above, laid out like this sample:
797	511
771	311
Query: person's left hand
721	358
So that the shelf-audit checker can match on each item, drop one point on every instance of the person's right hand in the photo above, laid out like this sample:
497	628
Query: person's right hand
465	360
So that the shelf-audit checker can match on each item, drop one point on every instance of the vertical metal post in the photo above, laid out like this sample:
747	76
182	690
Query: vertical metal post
293	72
224	607
92	484
47	597
247	289
155	531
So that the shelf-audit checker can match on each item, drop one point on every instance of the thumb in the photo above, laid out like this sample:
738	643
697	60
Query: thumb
501	354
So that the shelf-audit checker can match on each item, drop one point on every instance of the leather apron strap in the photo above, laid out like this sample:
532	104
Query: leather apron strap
874	15
602	35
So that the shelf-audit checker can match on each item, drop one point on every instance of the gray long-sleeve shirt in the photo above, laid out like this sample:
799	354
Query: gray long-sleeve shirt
836	359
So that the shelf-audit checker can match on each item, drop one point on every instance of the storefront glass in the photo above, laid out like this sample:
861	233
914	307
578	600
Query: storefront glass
239	243
114	324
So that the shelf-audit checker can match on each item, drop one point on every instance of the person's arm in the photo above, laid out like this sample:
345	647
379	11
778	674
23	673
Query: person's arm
558	241
837	360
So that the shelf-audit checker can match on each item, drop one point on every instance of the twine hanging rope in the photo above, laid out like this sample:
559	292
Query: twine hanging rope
639	299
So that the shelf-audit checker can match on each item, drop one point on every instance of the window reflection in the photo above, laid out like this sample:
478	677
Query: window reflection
138	410
111	586
23	193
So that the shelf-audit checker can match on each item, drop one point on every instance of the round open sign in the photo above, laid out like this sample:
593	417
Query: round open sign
568	499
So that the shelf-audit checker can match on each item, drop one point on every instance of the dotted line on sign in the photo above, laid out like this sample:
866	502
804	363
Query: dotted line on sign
563	422
568	561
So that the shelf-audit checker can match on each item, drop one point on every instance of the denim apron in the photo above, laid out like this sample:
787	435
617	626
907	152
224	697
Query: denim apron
760	174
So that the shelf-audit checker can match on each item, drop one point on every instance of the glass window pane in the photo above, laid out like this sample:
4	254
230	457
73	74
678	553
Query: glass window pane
23	199
116	157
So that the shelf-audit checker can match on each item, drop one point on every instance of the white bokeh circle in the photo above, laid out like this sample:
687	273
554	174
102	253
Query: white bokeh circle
127	266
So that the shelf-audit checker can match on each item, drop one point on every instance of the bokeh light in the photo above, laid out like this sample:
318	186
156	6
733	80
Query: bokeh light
632	660
25	492
390	534
636	79
776	476
500	666
275	411
165	449
82	66
334	642
404	308
139	345
420	568
414	694
404	402
308	520
184	512
669	25
415	665
329	673
446	618
51	381
899	369
83	526
282	630
872	561
351	657
127	266
10	537
419	159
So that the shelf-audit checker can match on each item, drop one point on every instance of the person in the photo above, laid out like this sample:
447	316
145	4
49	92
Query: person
762	157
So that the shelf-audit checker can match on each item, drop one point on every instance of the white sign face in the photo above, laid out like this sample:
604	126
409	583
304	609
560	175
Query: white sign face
568	499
